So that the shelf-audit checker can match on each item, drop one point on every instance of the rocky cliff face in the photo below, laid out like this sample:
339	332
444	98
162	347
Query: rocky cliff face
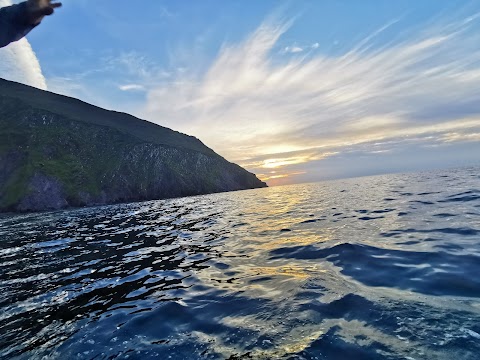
52	159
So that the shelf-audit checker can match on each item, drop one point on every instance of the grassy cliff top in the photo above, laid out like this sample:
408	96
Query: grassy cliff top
77	110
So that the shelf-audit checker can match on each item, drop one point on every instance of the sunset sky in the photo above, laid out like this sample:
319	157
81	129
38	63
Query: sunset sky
294	91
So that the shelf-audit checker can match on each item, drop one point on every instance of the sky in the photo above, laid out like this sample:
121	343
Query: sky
294	91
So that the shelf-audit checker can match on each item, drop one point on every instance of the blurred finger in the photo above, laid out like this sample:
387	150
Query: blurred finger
42	12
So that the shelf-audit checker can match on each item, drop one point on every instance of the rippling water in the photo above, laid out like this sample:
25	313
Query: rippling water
384	267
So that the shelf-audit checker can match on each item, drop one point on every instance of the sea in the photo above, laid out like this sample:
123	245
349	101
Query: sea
382	267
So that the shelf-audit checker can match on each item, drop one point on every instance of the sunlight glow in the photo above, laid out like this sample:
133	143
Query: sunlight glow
285	112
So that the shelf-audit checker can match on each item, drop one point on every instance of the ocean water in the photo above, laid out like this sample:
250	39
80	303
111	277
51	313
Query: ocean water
384	267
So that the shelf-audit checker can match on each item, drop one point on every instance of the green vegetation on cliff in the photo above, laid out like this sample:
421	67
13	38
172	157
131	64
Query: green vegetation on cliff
57	152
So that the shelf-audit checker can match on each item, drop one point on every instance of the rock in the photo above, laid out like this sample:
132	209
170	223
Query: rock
45	193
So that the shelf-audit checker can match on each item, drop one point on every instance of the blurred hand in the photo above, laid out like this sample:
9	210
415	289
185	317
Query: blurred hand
38	9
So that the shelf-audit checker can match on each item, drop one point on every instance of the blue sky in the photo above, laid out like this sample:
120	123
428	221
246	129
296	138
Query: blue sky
294	91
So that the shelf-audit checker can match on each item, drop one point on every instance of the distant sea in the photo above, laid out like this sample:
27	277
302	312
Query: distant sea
383	267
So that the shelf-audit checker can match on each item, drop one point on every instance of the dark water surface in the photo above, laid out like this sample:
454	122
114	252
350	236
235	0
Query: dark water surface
384	267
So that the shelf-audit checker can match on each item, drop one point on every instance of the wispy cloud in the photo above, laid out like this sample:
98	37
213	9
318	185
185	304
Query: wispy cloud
136	66
110	76
132	87
18	62
250	103
293	49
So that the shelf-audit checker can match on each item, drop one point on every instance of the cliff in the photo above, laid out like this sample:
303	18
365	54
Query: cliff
58	152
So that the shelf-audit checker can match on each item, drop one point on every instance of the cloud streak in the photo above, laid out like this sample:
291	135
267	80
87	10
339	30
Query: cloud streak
132	87
293	49
18	62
